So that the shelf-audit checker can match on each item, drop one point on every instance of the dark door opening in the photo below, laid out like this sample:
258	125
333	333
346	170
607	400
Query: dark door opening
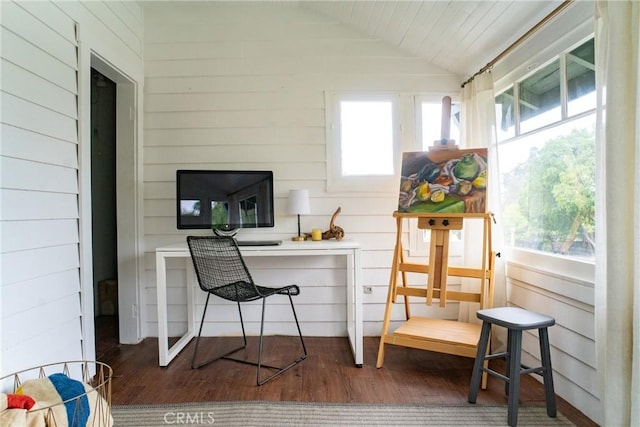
103	211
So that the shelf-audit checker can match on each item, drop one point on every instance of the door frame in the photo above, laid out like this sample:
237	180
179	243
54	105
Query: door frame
128	201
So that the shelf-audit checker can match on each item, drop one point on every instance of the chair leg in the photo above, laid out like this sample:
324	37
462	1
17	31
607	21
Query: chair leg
279	371
224	356
547	373
478	365
295	317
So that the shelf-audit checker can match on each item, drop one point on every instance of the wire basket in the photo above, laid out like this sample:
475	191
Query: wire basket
96	377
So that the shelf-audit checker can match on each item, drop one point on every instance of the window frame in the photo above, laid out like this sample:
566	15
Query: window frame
562	264
336	182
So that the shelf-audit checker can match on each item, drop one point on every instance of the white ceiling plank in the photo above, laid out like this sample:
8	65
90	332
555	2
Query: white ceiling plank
422	25
376	15
361	14
459	36
385	18
401	21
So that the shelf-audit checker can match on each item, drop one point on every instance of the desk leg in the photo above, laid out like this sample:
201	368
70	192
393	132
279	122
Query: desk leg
191	303
161	293
166	353
354	306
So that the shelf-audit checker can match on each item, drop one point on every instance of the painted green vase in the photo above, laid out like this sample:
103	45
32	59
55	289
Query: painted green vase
466	168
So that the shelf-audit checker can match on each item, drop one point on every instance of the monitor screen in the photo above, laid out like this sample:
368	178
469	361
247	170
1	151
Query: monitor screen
223	199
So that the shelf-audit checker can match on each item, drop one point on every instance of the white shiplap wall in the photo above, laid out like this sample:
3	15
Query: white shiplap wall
41	292
40	281
568	296
242	85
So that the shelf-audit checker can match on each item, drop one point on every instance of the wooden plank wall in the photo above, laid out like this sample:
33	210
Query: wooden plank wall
569	298
39	191
242	85
40	282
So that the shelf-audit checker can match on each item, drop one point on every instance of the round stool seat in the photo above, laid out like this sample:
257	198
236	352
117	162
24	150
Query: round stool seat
515	318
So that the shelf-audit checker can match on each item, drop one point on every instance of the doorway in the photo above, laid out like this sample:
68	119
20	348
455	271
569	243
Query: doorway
111	193
103	211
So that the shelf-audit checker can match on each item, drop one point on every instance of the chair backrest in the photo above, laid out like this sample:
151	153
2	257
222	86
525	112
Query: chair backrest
217	262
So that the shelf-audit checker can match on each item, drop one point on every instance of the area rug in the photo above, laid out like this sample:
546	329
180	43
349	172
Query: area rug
261	413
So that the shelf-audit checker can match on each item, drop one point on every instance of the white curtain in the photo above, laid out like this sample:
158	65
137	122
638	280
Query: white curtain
617	298
478	123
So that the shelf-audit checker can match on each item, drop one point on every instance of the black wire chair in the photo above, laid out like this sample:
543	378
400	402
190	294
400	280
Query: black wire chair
221	271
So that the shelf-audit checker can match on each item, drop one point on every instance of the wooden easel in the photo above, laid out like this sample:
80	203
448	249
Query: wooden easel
436	334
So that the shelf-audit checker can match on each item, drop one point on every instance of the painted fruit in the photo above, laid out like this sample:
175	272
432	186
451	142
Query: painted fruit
437	196
481	181
423	192
464	187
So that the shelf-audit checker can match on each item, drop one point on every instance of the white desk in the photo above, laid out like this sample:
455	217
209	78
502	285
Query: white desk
350	250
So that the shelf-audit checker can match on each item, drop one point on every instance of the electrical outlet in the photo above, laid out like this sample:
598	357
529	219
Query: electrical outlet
134	311
368	290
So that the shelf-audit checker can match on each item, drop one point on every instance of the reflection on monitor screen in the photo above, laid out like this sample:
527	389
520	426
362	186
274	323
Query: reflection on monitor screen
190	207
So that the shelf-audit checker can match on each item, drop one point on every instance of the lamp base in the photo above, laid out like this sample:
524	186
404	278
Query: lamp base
298	238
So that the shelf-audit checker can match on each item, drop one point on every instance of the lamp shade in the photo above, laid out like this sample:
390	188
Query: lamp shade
298	202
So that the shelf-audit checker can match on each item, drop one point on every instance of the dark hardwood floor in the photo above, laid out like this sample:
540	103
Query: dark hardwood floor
408	376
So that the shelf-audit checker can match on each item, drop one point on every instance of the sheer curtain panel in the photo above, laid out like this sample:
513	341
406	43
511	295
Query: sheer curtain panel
478	130
618	211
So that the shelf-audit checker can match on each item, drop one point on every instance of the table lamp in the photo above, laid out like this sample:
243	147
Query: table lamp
298	204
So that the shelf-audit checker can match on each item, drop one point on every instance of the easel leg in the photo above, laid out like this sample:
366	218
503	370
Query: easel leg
397	257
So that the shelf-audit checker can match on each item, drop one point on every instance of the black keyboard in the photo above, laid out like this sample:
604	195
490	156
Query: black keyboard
259	242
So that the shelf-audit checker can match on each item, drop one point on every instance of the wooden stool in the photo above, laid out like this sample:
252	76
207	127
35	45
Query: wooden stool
515	320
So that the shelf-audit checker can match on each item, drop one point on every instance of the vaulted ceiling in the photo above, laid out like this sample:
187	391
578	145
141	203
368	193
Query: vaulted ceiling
459	36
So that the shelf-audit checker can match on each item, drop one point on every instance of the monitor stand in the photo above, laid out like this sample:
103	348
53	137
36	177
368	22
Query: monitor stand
234	232
225	233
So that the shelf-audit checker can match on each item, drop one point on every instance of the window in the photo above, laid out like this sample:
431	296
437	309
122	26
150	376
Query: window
429	130
505	113
364	142
581	78
430	121
546	156
539	98
366	137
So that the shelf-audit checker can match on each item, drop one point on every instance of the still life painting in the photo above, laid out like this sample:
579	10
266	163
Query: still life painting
444	181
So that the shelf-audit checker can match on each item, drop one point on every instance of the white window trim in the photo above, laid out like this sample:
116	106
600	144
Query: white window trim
336	182
559	265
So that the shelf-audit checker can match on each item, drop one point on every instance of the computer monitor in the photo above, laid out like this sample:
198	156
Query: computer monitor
224	199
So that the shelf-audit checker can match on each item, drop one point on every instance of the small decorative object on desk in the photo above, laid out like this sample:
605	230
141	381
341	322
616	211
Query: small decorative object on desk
334	232
69	393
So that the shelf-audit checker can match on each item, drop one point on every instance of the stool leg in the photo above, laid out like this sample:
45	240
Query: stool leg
507	360
476	376
547	373
514	376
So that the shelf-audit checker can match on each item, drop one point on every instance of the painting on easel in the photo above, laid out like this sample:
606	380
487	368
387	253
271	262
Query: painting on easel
444	181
